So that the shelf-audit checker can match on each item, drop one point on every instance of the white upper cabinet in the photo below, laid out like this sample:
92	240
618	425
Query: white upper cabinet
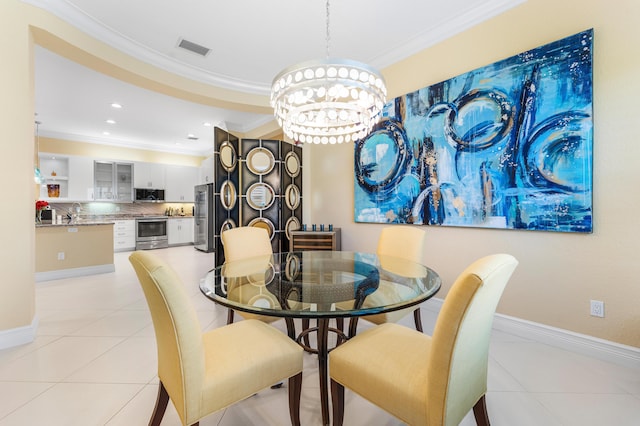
113	181
180	182
206	170
81	178
149	175
66	178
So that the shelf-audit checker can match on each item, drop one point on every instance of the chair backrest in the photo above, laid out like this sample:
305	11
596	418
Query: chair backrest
181	364
457	365
245	242
405	241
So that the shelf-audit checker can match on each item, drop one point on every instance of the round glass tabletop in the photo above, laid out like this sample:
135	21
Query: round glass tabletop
316	284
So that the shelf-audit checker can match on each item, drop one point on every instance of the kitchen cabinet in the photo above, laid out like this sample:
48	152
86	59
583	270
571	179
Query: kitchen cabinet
180	182
124	235
149	175
113	181
180	231
206	170
73	174
81	178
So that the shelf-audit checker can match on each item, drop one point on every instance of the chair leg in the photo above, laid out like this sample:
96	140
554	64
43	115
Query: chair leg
295	390
161	405
305	327
480	412
417	319
337	400
230	316
353	326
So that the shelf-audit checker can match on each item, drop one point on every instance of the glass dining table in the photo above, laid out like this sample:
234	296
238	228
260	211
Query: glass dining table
320	285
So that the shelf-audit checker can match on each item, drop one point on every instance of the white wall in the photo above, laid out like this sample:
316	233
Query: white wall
558	273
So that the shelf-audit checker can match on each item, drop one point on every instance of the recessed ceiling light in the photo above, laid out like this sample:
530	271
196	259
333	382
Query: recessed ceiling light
206	124
111	121
116	105
192	137
106	133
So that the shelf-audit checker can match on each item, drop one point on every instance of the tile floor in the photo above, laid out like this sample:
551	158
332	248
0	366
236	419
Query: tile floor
94	363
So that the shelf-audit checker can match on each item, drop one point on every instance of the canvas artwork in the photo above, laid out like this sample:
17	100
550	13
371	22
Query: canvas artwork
508	145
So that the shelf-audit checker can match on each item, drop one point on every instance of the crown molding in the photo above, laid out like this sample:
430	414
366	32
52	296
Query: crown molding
80	20
446	29
85	23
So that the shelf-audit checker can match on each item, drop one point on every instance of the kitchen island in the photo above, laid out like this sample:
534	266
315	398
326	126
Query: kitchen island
73	249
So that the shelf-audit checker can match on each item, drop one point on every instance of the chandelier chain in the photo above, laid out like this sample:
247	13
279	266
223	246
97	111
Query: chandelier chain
328	40
328	101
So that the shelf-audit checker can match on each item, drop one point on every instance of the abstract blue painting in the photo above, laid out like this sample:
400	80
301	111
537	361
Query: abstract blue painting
508	145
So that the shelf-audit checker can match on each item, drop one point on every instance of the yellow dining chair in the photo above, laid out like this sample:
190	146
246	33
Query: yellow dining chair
205	372
242	243
423	380
406	242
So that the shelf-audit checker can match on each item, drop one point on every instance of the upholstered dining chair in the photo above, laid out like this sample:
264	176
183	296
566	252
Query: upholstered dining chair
406	242
202	373
242	243
425	380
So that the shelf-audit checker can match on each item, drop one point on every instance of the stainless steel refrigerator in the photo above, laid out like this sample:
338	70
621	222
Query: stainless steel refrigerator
203	217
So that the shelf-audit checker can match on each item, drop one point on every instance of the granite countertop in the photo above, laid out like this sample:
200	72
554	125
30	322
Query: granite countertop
141	216
80	222
106	220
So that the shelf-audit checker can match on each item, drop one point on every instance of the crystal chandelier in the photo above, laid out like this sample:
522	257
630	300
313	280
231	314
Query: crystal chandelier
328	101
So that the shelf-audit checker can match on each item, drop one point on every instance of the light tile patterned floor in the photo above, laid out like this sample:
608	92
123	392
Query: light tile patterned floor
94	363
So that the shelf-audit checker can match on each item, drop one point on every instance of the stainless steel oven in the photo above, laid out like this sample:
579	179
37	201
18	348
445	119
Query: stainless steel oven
151	233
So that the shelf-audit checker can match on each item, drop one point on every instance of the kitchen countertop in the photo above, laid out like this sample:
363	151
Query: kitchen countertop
76	223
107	220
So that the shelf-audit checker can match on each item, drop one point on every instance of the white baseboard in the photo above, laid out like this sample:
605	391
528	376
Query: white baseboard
627	356
19	336
74	272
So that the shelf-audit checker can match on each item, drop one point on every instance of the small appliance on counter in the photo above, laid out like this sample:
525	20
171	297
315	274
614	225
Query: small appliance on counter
170	211
46	216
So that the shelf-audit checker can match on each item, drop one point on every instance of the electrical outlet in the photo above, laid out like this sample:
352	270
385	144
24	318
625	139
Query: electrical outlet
60	255
597	308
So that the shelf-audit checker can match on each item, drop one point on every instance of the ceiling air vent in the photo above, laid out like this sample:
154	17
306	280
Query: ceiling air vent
192	138
193	47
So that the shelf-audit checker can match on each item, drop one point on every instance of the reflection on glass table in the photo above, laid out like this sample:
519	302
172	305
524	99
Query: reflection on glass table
309	284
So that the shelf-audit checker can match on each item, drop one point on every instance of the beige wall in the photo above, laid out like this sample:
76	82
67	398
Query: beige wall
17	303
558	273
83	246
105	152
